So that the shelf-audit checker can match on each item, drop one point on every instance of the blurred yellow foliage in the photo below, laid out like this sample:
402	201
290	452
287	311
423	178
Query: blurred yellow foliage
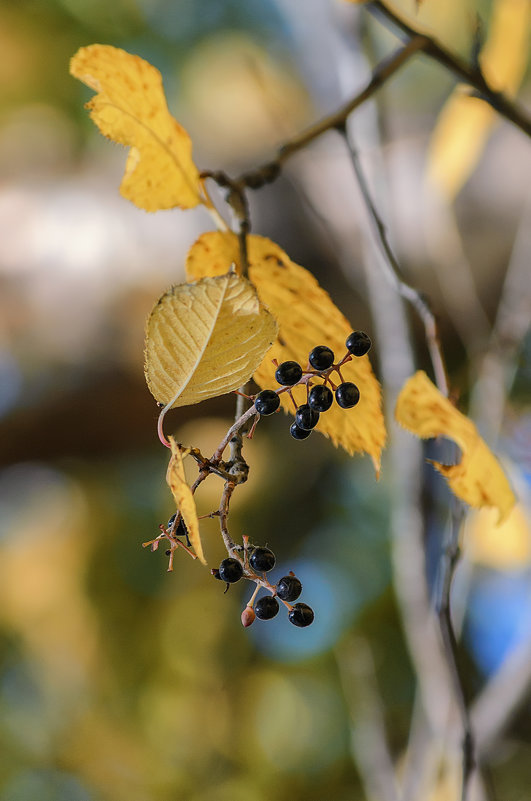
478	479
306	317
447	21
241	101
503	547
184	499
131	109
465	122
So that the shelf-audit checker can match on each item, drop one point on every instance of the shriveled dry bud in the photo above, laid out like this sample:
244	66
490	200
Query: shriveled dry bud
248	616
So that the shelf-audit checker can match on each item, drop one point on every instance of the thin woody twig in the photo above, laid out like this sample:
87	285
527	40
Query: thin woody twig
232	430
226	495
237	200
416	606
385	70
468	73
393	273
368	737
451	557
447	566
419	42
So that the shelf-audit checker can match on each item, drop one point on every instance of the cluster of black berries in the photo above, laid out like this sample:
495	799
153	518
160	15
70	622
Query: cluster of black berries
288	589
320	397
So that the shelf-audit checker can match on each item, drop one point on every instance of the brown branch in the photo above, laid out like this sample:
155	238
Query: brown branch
385	70
419	41
450	558
393	273
237	200
223	512
469	74
447	567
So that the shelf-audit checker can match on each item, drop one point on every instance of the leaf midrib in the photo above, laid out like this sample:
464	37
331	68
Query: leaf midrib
205	346
162	144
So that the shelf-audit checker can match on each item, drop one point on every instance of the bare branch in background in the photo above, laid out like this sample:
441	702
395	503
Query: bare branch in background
510	686
367	732
254	179
503	695
447	565
468	73
513	319
418	41
454	275
393	272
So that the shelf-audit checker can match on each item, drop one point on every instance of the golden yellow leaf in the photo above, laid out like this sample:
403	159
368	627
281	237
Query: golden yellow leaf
130	108
478	479
205	339
306	317
505	54
183	498
503	547
465	122
214	253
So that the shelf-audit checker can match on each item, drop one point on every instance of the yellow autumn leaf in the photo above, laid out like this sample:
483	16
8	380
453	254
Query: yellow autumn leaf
130	108
182	495
306	317
478	479
465	122
502	547
205	339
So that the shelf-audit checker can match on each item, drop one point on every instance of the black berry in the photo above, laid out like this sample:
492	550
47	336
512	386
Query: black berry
358	343
266	402
230	570
299	433
289	588
181	530
321	357
320	398
306	417
262	560
288	373
347	395
266	608
301	615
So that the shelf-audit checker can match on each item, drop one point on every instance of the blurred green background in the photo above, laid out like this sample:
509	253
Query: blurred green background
118	680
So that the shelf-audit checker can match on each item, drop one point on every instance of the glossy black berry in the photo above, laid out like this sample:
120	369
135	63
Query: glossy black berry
289	588
306	417
299	433
267	402
288	373
301	615
230	570
321	357
262	560
171	520
358	343
320	398
181	530
347	395
266	608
